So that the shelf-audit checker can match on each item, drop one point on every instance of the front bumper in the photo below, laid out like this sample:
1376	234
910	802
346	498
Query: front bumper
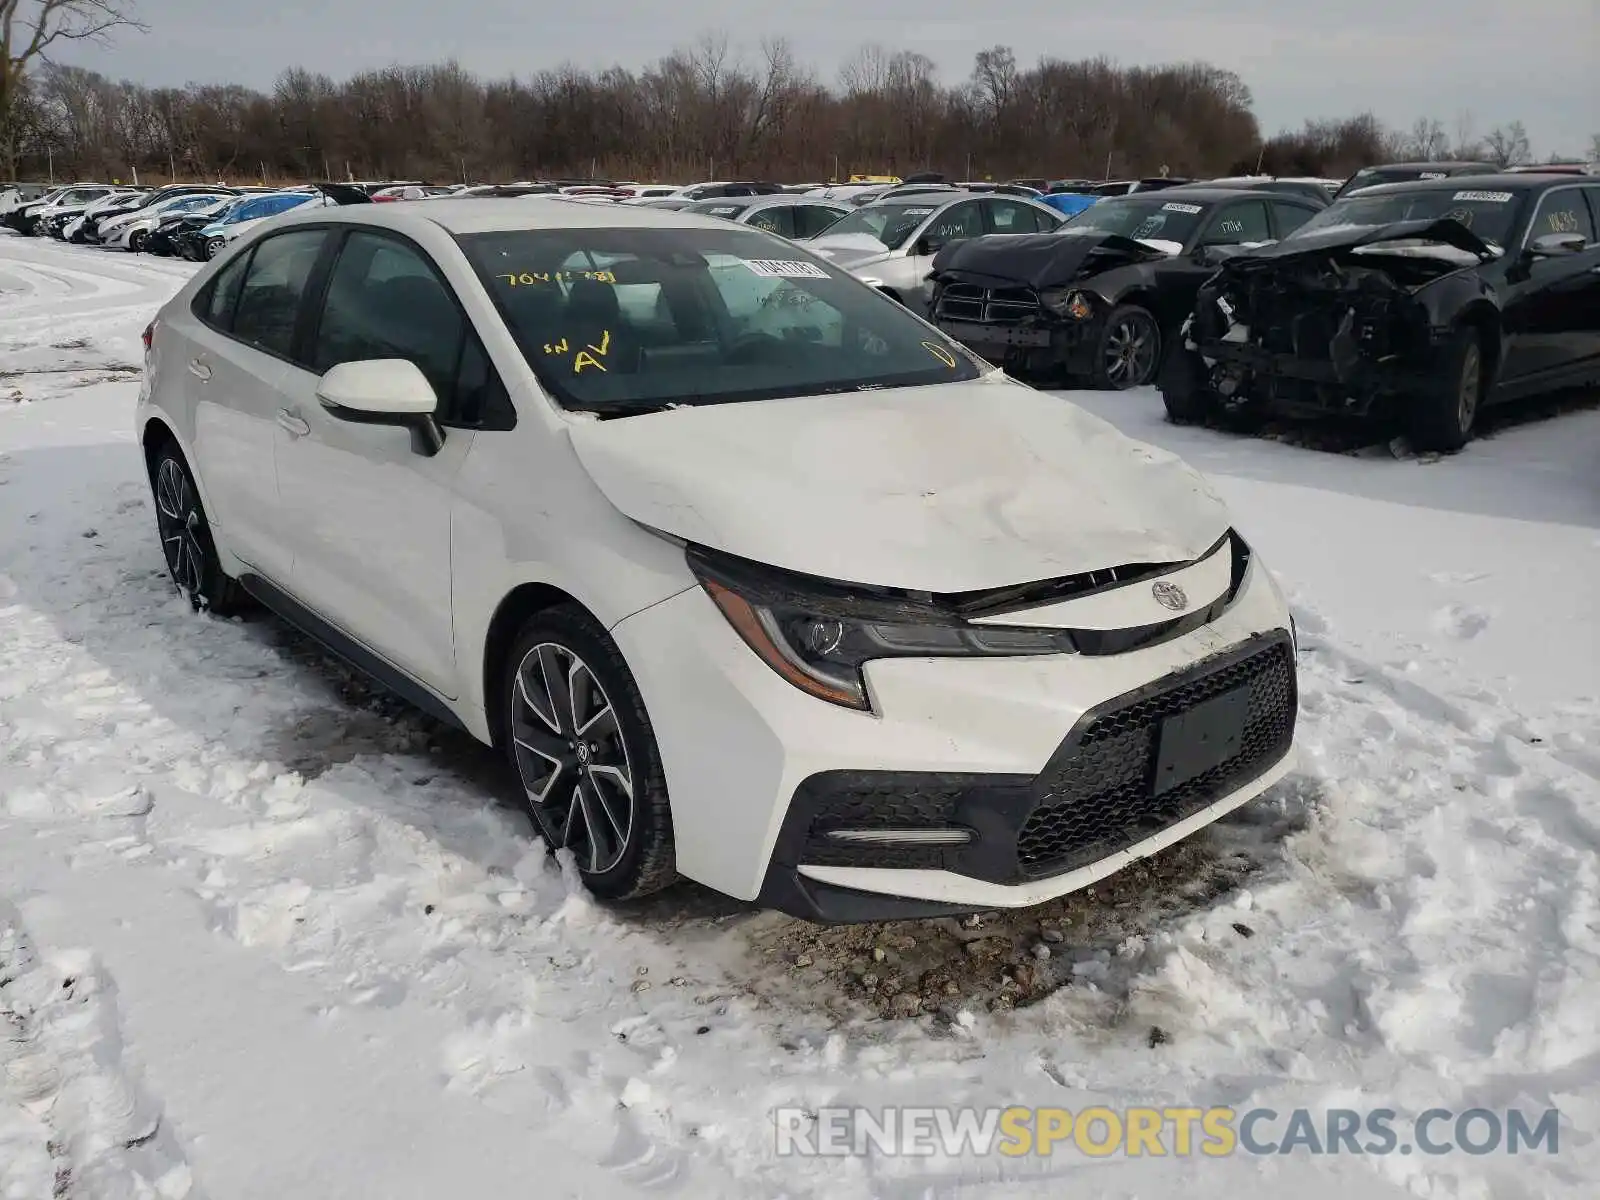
1047	761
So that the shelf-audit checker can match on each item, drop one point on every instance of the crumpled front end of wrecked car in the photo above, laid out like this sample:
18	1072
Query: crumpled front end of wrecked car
1335	326
1037	302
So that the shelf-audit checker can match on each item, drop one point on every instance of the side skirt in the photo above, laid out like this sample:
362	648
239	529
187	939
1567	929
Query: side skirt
347	648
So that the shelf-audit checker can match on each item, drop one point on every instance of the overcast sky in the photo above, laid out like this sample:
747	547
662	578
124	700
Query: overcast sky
1497	60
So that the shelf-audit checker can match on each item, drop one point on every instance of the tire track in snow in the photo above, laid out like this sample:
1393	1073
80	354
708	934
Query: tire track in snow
74	1120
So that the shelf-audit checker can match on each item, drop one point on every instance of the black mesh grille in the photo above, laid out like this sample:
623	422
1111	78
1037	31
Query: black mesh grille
1100	798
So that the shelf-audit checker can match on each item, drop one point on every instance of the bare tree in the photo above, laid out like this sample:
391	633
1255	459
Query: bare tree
29	28
1507	145
1467	144
1427	141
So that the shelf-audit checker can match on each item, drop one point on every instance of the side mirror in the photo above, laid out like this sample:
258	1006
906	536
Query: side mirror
1552	245
384	391
927	245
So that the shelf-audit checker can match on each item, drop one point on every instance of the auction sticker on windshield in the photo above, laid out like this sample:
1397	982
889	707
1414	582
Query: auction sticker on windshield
1485	197
779	268
916	212
1174	206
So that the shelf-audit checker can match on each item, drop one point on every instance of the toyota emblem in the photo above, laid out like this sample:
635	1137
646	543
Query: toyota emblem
1169	595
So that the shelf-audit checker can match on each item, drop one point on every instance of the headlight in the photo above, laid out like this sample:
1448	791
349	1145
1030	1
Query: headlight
1068	302
818	635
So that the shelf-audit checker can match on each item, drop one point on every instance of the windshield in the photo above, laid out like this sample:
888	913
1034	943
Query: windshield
1489	214
891	224
1148	219
727	209
630	320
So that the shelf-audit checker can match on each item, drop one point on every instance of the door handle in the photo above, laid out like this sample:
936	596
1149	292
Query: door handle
292	424
199	370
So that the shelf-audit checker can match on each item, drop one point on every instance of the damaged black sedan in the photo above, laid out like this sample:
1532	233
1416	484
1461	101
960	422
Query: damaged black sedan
1097	301
1427	299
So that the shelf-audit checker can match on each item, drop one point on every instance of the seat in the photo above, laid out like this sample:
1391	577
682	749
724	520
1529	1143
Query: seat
594	318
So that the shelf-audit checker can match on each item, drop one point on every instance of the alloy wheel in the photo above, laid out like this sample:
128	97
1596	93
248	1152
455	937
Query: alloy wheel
1130	352
178	517
572	757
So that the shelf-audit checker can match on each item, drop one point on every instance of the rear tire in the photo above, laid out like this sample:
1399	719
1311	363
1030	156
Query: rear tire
576	731
1185	388
1441	419
186	540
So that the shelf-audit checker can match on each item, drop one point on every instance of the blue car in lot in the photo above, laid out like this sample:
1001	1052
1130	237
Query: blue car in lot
236	221
1068	204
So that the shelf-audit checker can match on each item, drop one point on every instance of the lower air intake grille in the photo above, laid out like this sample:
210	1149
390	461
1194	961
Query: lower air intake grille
1101	798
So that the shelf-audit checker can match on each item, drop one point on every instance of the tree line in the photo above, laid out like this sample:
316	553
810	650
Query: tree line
700	112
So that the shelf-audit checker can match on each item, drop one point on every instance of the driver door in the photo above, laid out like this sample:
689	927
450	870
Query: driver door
1233	224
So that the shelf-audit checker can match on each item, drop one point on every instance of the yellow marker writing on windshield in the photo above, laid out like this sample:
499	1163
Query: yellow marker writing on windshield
586	356
941	353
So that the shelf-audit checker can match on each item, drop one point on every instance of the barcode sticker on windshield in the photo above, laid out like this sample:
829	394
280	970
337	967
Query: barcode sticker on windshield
1174	206
1432	175
915	212
723	210
780	268
1485	197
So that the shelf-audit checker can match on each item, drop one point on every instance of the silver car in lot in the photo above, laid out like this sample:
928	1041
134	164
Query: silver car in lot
890	243
792	216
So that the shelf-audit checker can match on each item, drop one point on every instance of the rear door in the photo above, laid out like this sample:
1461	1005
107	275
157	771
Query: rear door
239	345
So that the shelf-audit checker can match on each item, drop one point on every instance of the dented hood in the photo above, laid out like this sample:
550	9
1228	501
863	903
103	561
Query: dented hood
952	488
1348	237
1041	260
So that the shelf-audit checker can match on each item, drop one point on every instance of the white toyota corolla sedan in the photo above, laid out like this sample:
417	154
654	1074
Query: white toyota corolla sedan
753	576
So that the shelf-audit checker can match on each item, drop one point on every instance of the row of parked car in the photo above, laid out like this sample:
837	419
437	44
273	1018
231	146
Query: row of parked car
1432	285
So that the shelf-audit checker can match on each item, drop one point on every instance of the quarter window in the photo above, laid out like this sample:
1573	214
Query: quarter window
274	283
1007	216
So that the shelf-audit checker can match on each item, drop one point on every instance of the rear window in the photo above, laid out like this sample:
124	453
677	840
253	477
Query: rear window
630	320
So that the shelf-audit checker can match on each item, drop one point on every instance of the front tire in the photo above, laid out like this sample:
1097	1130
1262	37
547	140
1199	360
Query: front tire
137	240
213	248
579	738
1186	388
1129	351
186	540
1442	418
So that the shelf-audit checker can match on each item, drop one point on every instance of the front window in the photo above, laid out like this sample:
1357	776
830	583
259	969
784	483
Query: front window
890	224
1148	220
1490	213
630	320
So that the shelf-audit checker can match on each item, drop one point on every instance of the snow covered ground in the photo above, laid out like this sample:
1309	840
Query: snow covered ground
266	933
